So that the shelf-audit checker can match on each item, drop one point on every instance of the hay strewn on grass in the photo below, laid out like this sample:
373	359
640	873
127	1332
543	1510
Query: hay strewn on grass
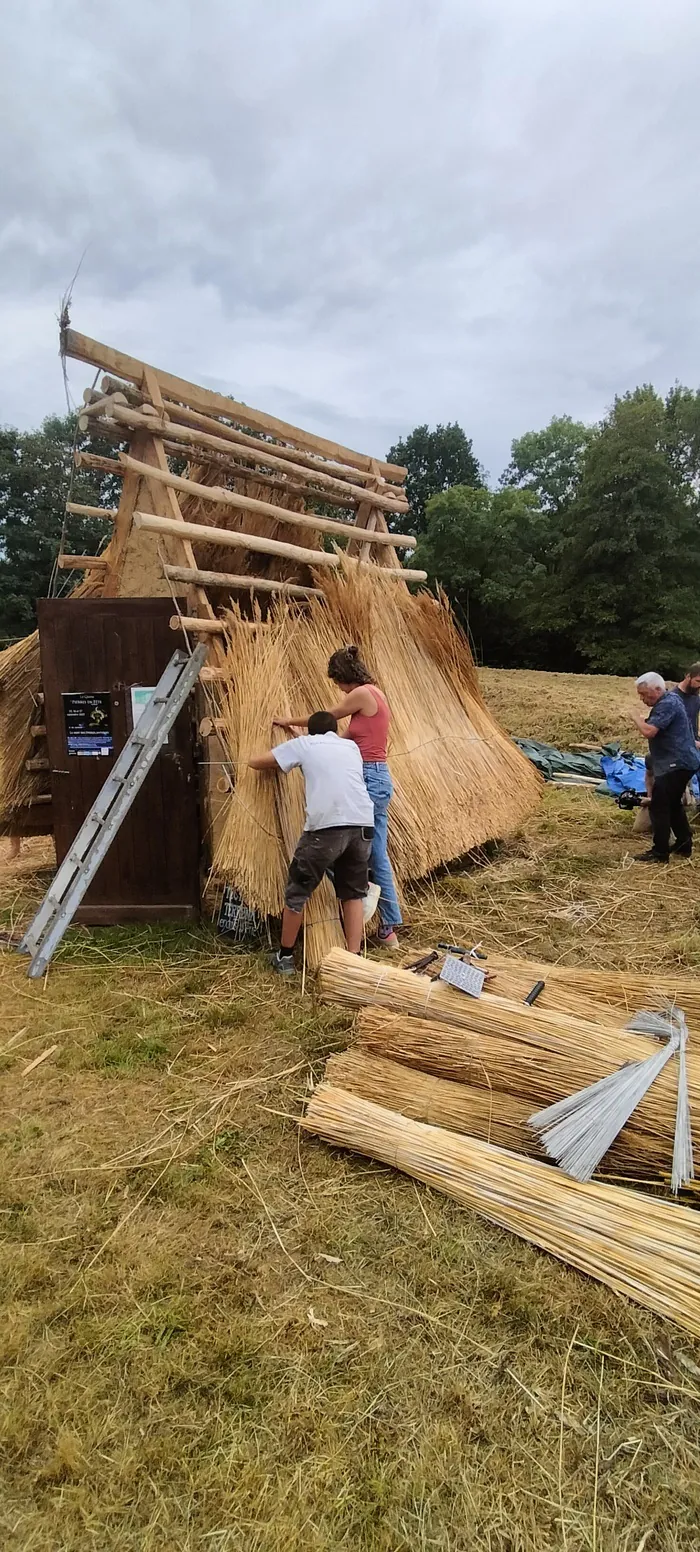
459	780
645	1249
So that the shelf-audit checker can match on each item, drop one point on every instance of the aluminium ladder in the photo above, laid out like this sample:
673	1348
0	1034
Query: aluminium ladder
110	808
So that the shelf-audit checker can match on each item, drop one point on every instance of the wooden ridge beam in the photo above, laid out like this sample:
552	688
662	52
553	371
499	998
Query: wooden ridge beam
258	454
192	575
218	496
82	348
201	533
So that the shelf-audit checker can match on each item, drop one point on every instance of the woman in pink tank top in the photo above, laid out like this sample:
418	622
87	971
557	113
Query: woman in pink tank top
363	702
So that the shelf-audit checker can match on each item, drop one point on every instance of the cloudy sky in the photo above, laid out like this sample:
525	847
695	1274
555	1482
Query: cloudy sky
358	214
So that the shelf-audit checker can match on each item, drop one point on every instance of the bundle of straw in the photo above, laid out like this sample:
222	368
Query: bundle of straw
20	679
640	1247
536	1072
250	849
572	989
265	812
488	1113
458	779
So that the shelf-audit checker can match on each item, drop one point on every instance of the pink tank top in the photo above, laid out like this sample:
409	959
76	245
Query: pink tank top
370	733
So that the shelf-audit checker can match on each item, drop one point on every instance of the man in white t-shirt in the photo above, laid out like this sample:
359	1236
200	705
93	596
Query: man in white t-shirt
338	830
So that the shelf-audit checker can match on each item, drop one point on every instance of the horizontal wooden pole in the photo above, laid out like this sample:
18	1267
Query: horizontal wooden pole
400	574
211	725
183	415
196	627
212	460
98	463
82	563
82	348
196	578
39	764
213	675
202	533
259	453
82	511
38	731
216	495
39	797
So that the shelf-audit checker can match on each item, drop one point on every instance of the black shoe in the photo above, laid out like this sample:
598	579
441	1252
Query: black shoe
682	851
283	964
650	856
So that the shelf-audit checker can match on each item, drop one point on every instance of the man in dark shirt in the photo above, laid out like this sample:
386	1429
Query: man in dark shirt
688	692
674	759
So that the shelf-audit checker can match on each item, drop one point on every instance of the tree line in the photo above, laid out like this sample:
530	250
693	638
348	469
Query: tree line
584	557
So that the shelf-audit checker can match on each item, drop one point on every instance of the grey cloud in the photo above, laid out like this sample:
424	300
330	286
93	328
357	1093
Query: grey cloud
362	214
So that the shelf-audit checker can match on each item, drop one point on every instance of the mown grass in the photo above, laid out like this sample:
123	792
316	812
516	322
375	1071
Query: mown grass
562	709
237	1339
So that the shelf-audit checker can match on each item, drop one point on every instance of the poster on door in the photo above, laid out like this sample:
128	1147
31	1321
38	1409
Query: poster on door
88	723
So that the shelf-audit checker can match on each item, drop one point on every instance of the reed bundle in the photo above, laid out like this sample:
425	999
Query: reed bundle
264	815
537	1072
640	1247
20	679
479	1111
458	778
571	989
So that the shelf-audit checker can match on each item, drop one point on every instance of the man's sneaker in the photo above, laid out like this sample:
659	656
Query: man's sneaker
388	939
682	851
370	903
650	856
283	964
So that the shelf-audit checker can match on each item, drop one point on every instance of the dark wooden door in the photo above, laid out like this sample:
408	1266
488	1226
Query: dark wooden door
102	647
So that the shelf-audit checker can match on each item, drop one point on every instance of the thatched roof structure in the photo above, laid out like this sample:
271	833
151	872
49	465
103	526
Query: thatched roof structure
286	544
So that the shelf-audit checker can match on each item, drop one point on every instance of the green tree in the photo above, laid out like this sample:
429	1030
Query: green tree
35	476
435	461
549	462
630	567
492	552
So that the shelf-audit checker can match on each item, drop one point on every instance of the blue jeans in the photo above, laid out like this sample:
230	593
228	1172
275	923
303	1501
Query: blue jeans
380	788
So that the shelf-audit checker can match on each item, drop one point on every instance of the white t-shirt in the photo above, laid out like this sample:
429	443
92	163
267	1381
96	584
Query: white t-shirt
335	787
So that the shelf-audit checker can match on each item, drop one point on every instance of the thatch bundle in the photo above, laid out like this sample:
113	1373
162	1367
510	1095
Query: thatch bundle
20	679
531	1053
459	780
490	1085
265	814
646	1249
570	989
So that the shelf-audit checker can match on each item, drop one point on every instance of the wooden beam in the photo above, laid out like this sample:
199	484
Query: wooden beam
144	445
200	456
97	462
83	511
82	348
38	731
196	627
41	763
250	584
393	573
201	533
218	496
82	563
214	675
259	453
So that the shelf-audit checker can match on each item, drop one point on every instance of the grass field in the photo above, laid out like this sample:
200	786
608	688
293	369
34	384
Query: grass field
562	709
216	1336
